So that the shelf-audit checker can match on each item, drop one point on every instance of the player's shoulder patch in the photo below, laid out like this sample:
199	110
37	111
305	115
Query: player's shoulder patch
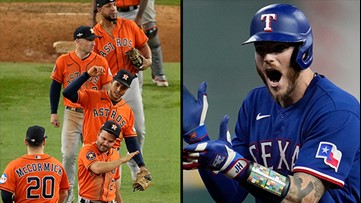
3	178
330	154
90	155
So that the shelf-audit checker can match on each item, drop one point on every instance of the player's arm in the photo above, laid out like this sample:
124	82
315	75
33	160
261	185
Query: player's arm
139	16
132	146
55	89
71	91
106	86
219	157
146	54
63	194
6	196
99	167
305	188
93	13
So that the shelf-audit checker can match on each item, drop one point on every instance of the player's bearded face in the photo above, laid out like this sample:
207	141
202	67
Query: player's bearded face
109	12
105	141
273	66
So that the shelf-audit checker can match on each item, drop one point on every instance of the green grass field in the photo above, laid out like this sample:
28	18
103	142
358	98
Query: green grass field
24	101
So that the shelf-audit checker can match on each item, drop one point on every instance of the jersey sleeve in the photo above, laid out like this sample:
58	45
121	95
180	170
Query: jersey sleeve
58	70
84	97
64	183
8	179
141	38
330	150
88	156
128	129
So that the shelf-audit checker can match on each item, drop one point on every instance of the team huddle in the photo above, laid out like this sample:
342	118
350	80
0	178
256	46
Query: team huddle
103	108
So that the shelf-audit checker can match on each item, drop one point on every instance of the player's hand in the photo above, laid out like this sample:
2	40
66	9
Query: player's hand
96	71
217	155
194	114
129	156
54	120
146	63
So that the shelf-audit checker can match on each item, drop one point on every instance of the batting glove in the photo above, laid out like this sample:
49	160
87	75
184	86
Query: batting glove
217	155
194	114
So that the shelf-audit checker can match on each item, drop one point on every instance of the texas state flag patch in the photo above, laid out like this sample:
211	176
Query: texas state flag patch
330	155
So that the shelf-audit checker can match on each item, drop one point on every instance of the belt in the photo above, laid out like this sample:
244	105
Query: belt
79	110
82	200
128	8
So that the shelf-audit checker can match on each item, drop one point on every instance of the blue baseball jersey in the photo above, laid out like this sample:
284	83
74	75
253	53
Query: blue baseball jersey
318	135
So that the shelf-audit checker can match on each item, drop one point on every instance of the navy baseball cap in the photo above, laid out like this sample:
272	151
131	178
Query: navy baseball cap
85	32
111	127
101	3
124	77
35	134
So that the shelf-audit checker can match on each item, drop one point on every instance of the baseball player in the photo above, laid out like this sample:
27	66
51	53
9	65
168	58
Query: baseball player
120	35
36	176
150	28
143	13
293	136
99	166
68	67
100	106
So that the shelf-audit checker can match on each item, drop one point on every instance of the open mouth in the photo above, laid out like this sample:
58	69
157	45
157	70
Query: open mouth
273	75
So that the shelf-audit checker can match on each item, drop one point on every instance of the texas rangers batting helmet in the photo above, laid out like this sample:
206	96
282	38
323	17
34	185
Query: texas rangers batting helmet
284	23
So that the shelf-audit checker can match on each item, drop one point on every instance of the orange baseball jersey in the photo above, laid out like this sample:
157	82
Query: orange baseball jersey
35	178
69	66
92	186
98	108
125	36
125	3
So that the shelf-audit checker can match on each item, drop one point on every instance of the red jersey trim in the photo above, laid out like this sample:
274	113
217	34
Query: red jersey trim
320	175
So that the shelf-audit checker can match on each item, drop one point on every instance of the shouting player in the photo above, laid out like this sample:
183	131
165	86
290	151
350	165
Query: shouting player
68	67
99	166
36	176
119	35
100	106
292	137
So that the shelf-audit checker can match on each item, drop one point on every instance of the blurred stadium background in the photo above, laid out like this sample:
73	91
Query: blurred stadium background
213	31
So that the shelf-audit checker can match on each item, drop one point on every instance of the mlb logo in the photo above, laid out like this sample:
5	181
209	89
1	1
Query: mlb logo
330	155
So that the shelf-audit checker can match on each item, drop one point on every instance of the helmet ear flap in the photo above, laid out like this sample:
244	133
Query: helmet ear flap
296	51
305	54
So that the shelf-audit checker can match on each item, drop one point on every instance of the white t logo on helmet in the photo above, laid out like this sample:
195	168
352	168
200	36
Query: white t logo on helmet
268	18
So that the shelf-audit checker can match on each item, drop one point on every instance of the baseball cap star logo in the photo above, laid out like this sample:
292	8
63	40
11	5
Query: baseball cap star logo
114	127
79	34
125	76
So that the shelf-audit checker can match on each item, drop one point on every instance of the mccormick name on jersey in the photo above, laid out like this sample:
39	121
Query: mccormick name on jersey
119	42
38	167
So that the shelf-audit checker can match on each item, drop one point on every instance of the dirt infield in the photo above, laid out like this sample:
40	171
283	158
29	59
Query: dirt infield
28	30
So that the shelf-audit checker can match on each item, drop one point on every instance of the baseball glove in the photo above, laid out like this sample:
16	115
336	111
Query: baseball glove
135	58
143	180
